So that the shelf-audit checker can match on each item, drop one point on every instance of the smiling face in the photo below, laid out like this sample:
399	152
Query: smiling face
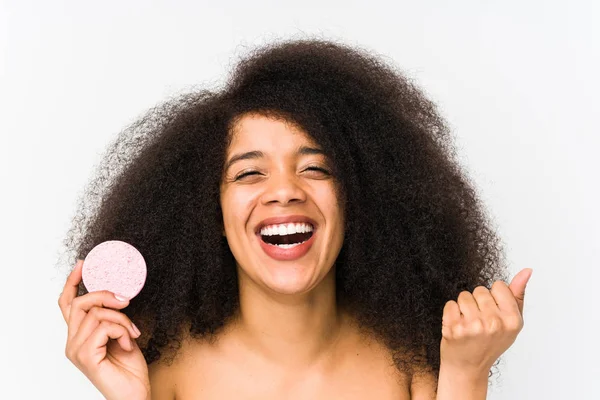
276	192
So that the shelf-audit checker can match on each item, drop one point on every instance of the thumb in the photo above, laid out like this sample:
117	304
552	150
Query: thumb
518	284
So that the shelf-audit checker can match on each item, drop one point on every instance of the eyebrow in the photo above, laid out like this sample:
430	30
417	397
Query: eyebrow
252	155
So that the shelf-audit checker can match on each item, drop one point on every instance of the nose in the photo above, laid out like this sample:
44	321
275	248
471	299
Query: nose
283	189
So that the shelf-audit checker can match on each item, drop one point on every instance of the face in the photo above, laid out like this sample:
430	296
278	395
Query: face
281	215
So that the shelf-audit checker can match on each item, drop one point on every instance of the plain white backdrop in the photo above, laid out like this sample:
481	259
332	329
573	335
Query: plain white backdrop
516	80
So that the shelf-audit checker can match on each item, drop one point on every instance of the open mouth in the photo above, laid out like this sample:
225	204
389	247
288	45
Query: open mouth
287	240
286	235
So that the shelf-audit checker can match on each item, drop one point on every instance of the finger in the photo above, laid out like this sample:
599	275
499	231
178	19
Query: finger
83	304
504	297
451	313
518	284
70	290
450	317
485	301
468	305
93	350
93	319
108	330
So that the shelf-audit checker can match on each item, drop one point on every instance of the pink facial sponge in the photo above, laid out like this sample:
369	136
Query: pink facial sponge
115	266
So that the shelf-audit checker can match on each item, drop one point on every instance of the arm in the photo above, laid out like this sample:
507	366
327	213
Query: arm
476	330
451	385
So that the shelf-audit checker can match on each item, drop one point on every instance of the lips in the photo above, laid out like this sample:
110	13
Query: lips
283	254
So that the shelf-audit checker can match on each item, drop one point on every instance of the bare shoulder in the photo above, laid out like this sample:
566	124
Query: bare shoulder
165	376
360	367
162	380
367	362
191	373
423	386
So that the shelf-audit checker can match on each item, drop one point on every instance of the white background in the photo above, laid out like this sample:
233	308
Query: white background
516	80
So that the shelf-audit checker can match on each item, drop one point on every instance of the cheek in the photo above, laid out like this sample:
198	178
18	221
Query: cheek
236	206
329	205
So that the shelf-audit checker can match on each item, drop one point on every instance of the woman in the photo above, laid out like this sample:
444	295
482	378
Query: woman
308	234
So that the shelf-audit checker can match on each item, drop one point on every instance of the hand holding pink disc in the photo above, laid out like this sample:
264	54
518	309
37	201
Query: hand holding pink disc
115	266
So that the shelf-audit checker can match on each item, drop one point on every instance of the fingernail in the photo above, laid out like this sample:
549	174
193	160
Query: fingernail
120	298
73	270
135	329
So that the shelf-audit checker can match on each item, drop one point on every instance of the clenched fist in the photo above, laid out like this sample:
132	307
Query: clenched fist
479	327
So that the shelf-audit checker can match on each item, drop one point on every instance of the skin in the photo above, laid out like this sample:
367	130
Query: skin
287	308
100	341
289	339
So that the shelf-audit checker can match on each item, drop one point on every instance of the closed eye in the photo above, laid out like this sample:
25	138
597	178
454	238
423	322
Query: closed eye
248	173
318	169
242	175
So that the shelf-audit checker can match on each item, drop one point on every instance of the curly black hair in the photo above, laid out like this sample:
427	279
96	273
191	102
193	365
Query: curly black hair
416	233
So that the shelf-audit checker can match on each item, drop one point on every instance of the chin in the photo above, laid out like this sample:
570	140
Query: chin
289	282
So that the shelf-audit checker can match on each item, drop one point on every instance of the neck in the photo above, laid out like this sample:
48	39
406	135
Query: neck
291	330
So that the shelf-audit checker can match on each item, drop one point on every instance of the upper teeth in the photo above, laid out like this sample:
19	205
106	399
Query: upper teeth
285	229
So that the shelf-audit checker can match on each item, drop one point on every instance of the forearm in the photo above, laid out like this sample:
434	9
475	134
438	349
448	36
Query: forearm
459	385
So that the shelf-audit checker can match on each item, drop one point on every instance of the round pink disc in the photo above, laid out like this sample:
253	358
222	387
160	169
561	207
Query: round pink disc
115	266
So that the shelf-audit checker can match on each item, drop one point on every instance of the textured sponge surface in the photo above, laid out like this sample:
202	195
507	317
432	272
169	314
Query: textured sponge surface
115	266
